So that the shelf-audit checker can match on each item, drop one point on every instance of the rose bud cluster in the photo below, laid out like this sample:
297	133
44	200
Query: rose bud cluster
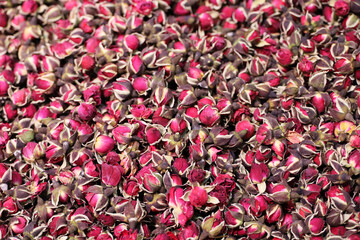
180	119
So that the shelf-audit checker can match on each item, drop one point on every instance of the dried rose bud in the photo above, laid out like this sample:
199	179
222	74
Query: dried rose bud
212	225
206	21
111	174
306	67
273	213
190	231
136	65
259	173
107	72
152	182
140	84
316	226
354	161
284	56
344	65
131	42
240	15
86	111
198	197
33	151
21	97
209	116
234	215
245	125
18	224
153	135
29	6
342	8
87	62
308	46
4	86
104	144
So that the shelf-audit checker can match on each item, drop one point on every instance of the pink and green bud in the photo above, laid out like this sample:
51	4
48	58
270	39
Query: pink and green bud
212	225
209	116
259	173
86	111
284	56
342	8
198	197
245	125
234	215
354	161
111	174
273	213
152	182
131	42
18	224
104	144
316	225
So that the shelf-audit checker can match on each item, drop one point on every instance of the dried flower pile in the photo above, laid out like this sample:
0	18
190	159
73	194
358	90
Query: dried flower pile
180	120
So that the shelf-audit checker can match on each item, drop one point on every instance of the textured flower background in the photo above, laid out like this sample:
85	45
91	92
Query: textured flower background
183	120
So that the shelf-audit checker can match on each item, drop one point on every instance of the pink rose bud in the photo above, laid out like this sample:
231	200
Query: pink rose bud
178	125
104	144
255	230
280	193
3	19
342	8
209	116
87	62
316	225
144	7
4	86
308	46
194	75
17	224
198	197
247	126
111	174
10	205
20	97
181	8
354	161
355	141
131	187
190	231
107	72
29	6
273	213
180	165
234	215
122	134
153	135
32	151
212	225
152	182
259	172
10	111
140	84
206	21
131	42
197	175
86	111
240	15
284	56
306	67
344	65
135	65
8	76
